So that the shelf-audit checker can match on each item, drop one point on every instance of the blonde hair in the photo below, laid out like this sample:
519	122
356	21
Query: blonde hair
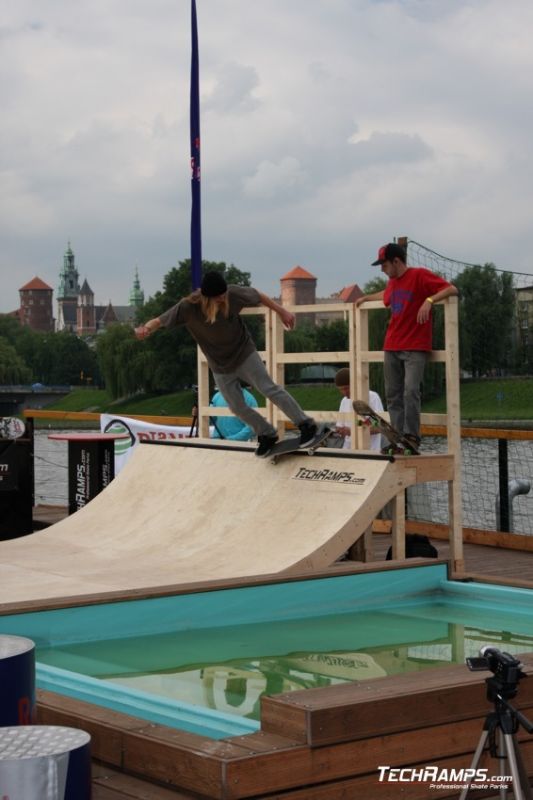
209	305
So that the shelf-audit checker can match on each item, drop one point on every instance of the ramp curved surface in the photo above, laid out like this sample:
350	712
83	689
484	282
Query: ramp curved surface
187	513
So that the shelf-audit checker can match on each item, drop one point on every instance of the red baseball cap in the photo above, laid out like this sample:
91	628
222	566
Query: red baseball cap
389	252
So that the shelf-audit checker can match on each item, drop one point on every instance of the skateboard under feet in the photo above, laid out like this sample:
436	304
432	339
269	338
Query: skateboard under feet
292	444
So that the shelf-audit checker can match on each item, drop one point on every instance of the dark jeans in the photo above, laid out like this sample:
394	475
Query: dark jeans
253	372
404	371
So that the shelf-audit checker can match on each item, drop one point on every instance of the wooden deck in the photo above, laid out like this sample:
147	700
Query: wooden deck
513	566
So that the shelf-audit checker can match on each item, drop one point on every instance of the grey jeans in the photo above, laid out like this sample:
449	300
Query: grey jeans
253	372
404	371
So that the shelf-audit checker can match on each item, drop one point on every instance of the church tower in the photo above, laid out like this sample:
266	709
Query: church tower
67	293
136	294
86	314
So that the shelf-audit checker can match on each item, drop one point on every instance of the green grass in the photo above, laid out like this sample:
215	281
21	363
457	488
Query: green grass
504	399
98	400
82	400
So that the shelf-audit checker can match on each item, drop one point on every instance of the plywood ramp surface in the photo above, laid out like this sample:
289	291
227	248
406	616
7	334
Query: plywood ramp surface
181	514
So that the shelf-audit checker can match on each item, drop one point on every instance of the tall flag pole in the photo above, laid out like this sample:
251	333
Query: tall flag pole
196	215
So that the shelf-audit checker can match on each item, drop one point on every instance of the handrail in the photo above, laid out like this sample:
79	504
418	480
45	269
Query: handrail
467	432
91	416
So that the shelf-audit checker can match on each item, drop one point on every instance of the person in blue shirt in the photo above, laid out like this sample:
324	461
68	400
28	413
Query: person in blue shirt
232	427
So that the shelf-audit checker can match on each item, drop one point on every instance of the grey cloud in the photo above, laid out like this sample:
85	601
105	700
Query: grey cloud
233	90
388	148
318	71
275	180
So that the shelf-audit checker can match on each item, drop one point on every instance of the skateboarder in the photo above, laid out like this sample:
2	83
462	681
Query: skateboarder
211	314
410	294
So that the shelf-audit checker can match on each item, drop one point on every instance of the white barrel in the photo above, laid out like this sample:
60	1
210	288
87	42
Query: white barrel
17	681
45	762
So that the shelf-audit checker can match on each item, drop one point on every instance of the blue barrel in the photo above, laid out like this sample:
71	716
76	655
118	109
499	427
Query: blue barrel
17	681
45	762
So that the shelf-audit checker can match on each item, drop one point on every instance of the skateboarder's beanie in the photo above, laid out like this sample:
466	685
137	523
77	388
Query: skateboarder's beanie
213	284
342	377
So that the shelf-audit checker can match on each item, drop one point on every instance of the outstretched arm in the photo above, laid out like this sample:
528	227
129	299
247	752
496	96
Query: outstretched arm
286	317
425	309
143	331
366	297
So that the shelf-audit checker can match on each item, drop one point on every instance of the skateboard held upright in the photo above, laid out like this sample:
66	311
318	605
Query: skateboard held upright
398	441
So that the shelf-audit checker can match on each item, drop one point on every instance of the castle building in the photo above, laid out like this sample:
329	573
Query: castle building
76	309
85	311
298	288
36	306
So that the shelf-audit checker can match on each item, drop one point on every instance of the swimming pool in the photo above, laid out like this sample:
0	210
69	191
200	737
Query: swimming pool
200	662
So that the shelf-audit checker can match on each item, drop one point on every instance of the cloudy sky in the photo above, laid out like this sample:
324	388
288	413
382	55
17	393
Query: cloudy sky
328	128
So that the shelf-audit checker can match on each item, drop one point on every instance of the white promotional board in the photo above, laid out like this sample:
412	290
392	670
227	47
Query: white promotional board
138	431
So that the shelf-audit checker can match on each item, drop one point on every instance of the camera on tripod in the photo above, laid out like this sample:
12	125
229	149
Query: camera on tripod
505	668
502	724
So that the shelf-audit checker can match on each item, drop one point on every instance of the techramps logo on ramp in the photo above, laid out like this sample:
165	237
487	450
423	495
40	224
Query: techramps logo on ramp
328	475
121	445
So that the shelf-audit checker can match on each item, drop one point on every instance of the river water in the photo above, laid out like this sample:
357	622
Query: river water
425	502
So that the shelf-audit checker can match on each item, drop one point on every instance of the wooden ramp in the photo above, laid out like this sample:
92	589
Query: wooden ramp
187	513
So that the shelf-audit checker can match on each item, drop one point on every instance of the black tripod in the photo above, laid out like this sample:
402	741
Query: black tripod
194	422
500	728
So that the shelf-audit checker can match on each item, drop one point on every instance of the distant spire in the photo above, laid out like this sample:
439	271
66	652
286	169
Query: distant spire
69	286
136	294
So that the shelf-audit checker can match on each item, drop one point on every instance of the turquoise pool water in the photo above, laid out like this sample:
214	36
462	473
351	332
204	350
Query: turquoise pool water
201	662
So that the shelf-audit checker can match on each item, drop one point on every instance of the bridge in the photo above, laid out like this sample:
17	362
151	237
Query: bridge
14	399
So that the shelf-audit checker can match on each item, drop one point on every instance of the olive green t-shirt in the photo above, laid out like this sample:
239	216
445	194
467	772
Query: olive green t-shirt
226	342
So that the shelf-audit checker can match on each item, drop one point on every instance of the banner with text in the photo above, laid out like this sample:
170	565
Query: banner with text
139	431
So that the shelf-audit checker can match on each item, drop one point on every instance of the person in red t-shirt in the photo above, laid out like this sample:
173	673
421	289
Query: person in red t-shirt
410	294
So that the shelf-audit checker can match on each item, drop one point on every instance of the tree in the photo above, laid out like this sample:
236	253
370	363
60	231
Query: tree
10	328
64	359
333	336
13	370
486	307
52	358
122	368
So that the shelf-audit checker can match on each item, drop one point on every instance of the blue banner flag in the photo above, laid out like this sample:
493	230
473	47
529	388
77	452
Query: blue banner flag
196	215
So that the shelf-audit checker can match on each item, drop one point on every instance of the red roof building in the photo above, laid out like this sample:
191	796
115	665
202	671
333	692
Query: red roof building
36	305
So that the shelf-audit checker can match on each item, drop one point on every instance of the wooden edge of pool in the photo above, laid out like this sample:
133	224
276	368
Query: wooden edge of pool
329	740
149	592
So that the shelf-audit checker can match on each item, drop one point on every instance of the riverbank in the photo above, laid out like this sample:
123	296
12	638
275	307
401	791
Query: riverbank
485	403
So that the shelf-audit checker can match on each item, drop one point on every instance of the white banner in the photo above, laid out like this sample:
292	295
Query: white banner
138	431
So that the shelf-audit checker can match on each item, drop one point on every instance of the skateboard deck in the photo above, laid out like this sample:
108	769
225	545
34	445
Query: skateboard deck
11	428
292	444
378	423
